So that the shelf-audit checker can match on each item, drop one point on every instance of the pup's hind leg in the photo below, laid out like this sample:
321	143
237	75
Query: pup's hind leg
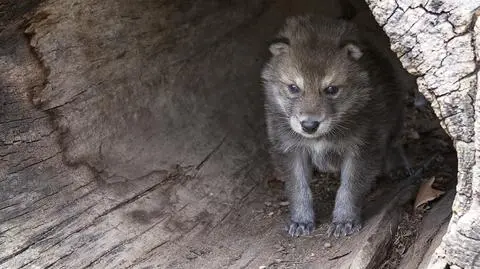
397	160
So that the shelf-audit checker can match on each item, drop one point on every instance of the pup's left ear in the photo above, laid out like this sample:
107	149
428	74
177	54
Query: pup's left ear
279	45
353	49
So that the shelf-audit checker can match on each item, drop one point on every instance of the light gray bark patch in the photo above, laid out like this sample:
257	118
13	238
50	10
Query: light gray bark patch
438	42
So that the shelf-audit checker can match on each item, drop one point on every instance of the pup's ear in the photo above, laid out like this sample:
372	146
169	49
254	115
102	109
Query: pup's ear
279	45
353	49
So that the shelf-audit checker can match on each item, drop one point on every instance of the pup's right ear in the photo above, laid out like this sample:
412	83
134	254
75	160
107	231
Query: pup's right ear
353	48
279	45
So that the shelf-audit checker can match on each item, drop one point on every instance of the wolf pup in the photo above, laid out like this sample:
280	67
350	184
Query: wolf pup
332	103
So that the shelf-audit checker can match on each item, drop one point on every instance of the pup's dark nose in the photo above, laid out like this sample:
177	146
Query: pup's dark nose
309	126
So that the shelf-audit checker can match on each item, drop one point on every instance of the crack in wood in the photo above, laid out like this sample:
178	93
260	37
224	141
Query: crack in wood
70	220
339	256
35	163
233	208
53	193
210	154
97	218
147	255
132	199
44	235
35	202
39	238
123	243
9	206
63	257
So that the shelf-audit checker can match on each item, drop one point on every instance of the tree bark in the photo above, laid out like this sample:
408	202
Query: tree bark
439	43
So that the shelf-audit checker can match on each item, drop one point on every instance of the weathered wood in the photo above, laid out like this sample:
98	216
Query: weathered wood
438	41
429	235
132	136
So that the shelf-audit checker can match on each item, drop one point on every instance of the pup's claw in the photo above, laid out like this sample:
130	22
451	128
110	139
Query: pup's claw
296	229
338	229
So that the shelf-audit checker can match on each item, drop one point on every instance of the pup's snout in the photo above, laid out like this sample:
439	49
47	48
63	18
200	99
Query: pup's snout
310	126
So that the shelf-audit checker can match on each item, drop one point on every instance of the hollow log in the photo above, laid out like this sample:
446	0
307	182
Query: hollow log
439	43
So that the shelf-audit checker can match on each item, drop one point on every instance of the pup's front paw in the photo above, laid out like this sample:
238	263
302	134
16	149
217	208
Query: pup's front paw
344	228
296	229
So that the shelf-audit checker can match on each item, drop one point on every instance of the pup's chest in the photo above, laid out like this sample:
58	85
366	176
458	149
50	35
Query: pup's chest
326	156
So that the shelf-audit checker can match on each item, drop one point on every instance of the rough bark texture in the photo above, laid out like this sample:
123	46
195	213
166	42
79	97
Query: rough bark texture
439	42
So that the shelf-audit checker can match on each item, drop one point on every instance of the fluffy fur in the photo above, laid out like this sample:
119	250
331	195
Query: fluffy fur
358	126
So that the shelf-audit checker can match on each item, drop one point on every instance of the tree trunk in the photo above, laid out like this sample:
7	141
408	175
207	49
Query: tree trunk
439	42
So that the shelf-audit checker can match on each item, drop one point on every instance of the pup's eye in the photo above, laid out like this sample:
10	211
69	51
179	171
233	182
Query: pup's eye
293	88
331	90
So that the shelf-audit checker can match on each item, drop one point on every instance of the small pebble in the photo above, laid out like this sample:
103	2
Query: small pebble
191	256
414	135
268	203
278	260
284	203
327	245
262	267
312	254
279	247
270	214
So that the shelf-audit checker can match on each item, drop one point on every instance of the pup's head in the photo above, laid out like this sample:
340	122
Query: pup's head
315	76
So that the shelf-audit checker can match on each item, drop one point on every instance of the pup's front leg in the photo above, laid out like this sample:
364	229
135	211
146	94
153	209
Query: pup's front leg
357	175
298	190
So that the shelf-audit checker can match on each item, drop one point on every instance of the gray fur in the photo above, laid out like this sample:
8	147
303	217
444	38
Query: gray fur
358	127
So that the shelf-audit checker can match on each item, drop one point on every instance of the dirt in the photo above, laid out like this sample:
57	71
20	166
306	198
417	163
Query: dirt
423	138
